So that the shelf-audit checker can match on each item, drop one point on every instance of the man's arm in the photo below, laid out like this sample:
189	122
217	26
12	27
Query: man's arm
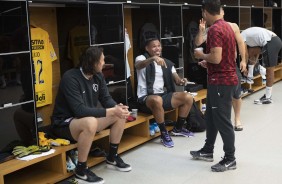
202	33
105	98
241	46
139	64
179	81
214	57
142	64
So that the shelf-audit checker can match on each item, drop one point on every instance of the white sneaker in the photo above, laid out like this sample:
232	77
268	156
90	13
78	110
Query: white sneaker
250	80
73	154
70	164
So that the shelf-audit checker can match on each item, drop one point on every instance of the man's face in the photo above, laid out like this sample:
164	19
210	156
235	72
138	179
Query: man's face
222	12
205	16
154	48
99	66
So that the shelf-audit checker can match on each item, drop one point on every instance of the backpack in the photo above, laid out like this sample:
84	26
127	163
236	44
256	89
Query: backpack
196	119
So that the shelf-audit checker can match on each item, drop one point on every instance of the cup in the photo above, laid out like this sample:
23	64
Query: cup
134	113
199	48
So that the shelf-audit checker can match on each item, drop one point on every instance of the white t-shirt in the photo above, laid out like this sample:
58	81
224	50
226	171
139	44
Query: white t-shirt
158	86
257	36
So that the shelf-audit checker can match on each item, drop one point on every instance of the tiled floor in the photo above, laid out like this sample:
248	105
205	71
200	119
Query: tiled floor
258	152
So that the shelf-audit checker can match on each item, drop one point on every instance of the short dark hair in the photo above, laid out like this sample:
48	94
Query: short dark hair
211	6
91	56
148	41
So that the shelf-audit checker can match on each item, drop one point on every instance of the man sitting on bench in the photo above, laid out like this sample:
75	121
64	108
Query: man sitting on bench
153	74
77	117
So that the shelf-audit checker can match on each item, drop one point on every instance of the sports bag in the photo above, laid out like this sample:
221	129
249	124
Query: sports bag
196	119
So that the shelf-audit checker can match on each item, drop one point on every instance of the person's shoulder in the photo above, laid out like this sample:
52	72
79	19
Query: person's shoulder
140	58
234	26
71	73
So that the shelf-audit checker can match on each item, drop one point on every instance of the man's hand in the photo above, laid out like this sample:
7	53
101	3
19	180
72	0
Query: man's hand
160	61
243	67
203	63
202	26
199	54
183	82
121	111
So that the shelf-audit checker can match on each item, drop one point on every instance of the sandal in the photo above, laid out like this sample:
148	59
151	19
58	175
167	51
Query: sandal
238	128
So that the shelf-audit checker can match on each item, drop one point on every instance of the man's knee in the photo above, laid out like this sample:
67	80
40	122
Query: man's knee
190	98
154	101
187	98
89	124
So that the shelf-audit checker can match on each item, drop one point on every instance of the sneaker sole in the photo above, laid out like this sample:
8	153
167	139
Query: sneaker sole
110	166
201	158
80	181
179	134
261	103
166	145
224	169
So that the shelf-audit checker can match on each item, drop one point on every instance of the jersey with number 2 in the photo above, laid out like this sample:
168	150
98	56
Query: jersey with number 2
43	55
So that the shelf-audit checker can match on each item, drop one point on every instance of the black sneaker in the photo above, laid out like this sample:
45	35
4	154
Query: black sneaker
87	176
263	100
118	164
202	155
224	165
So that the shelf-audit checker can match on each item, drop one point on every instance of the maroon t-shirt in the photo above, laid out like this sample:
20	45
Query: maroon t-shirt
220	34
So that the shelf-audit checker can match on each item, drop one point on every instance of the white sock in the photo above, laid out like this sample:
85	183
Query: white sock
268	91
251	71
262	70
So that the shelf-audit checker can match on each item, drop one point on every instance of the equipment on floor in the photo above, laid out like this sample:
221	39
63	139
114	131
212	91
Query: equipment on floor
196	119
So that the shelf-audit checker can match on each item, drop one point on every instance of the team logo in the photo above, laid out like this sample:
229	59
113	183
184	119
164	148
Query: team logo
40	97
95	87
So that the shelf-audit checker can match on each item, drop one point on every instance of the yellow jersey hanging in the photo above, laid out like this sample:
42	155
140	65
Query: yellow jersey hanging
43	55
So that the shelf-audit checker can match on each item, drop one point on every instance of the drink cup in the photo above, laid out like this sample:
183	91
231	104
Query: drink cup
134	113
199	48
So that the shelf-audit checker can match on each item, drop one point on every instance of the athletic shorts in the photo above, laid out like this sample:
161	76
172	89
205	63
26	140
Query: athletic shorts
270	52
237	93
61	129
166	102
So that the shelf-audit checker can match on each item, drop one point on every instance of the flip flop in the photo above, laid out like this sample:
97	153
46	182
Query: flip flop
238	128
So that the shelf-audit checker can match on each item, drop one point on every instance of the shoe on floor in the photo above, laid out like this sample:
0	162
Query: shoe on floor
70	165
117	163
263	100
224	165
238	128
202	155
166	139
183	132
87	176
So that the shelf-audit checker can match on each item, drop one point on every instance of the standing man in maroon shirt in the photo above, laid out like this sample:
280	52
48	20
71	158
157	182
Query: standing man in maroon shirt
222	81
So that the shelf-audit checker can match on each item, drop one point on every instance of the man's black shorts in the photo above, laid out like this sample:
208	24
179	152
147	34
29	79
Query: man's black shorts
166	102
61	128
